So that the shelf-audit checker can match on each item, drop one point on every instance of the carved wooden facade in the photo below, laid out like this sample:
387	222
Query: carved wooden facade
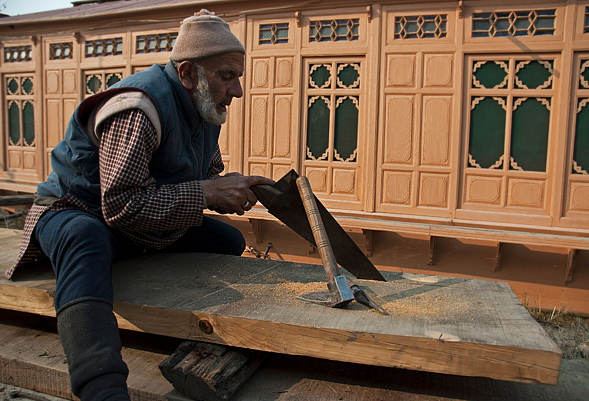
475	113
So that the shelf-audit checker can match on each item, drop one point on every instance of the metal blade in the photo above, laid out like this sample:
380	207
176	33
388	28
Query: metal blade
284	202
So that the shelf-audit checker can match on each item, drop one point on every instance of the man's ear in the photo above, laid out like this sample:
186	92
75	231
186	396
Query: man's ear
187	74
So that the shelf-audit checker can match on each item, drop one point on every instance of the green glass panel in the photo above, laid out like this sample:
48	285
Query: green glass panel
529	135
320	76
584	74
29	123
490	74
487	132
113	79
27	86
534	75
318	128
346	128
581	150
12	86
14	123
348	76
94	84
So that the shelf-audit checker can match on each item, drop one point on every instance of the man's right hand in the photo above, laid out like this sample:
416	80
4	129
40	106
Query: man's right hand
231	193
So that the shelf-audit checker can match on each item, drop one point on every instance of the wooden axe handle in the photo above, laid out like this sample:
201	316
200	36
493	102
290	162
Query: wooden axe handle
318	229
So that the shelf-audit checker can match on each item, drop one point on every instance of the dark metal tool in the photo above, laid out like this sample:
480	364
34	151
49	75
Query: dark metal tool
284	202
363	298
338	292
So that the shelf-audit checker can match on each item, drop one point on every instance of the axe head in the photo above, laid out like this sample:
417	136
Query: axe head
336	297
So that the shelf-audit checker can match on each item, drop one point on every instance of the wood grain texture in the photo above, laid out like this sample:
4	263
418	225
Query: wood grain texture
437	324
35	360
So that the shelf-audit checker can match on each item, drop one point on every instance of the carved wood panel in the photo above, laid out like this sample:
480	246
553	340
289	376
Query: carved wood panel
271	110
416	131
577	184
61	99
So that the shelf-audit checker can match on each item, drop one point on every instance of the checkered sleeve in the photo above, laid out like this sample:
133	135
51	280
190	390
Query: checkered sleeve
217	166
131	200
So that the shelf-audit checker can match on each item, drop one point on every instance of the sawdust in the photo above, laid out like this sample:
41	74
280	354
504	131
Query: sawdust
438	305
300	288
278	290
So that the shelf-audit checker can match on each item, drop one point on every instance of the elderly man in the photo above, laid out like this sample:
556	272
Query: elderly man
138	165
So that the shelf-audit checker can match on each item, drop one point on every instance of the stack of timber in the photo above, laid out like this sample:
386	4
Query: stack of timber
436	324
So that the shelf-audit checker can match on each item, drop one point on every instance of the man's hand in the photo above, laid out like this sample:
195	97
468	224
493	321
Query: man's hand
231	193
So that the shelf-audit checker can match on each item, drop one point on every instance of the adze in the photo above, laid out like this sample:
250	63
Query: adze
284	202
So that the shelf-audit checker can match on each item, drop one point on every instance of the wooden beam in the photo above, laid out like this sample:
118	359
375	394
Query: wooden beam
432	251
537	235
368	239
477	327
212	372
497	266
13	200
571	264
256	229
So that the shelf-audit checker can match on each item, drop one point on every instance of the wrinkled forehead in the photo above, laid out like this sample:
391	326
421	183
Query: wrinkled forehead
233	61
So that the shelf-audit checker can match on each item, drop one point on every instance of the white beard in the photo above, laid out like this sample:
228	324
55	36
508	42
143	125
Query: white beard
204	103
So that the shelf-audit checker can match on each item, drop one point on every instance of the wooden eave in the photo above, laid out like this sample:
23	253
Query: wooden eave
55	20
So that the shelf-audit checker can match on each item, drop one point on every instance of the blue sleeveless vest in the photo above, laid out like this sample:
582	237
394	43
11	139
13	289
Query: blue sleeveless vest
186	149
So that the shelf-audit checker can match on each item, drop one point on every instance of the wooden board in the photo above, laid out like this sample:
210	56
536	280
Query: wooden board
34	359
437	324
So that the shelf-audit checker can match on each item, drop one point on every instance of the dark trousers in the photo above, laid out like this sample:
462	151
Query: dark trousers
82	248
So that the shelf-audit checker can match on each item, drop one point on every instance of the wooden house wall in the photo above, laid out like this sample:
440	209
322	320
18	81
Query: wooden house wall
415	98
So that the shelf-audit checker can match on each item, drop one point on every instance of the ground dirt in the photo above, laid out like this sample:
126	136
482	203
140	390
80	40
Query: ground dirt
569	332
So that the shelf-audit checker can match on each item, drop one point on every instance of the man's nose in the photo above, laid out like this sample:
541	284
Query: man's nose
236	90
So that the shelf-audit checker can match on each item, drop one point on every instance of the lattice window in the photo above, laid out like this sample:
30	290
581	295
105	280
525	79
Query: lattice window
104	47
160	42
333	104
17	54
514	23
20	110
98	81
586	21
60	51
521	145
334	30
272	34
581	134
421	26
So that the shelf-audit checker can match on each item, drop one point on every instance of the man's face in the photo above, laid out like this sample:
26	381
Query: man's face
215	84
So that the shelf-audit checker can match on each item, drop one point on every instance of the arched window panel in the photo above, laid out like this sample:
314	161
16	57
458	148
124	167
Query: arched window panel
318	116
529	134
14	123
346	129
28	124
487	132
581	143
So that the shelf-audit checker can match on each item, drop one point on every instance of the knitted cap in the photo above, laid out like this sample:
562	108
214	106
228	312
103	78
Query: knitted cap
203	35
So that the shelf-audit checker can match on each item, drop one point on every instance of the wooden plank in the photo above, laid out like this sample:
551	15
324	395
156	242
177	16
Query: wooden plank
16	200
537	235
437	324
286	377
34	359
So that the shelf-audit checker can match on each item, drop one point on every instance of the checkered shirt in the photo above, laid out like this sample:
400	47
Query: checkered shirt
132	203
